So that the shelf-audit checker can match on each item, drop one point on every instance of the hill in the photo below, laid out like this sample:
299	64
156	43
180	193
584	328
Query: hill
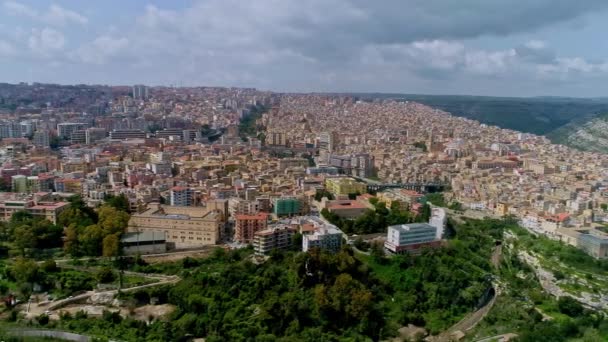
538	115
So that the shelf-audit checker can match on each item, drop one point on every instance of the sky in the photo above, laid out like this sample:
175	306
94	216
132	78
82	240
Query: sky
471	47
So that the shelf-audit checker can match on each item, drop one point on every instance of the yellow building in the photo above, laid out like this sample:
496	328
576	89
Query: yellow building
183	226
344	186
502	209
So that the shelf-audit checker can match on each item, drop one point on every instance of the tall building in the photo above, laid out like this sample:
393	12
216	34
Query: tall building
19	183
140	92
182	196
287	206
93	135
65	129
41	139
277	237
362	165
411	238
247	225
327	141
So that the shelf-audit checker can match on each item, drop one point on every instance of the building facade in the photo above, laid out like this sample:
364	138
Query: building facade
183	226
247	225
277	237
410	238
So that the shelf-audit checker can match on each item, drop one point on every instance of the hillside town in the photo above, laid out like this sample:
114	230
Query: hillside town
233	166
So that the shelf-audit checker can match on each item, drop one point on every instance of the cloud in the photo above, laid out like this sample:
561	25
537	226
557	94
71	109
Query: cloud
100	50
46	42
7	49
55	15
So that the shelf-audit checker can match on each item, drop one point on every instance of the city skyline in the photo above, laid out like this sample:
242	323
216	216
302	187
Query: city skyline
529	49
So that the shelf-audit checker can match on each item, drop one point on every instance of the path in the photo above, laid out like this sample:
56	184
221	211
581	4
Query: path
36	309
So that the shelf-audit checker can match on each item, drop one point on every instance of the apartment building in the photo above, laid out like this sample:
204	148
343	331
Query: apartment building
276	237
44	210
247	225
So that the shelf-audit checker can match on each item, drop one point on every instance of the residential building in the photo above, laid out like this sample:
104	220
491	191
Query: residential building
276	237
140	92
181	196
247	225
287	206
41	139
344	186
44	210
326	237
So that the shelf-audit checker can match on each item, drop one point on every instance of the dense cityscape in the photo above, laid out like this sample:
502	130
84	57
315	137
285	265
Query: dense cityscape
131	182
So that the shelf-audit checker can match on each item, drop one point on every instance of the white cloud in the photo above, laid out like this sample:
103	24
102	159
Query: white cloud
535	44
46	42
60	16
55	15
100	50
490	62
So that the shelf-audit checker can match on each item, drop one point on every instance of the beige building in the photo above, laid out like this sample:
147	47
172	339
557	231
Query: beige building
183	226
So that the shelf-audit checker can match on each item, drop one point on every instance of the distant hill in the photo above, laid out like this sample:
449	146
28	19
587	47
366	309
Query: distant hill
539	115
586	134
575	122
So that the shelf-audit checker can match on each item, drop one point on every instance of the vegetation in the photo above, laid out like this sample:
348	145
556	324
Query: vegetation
373	221
92	232
297	296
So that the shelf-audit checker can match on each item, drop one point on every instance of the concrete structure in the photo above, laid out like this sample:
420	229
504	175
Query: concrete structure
247	225
93	135
344	186
181	196
149	242
41	139
287	206
595	245
349	209
276	237
127	134
183	226
327	237
19	183
65	130
410	238
140	92
44	210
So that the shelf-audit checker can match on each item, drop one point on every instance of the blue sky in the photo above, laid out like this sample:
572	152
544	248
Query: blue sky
498	47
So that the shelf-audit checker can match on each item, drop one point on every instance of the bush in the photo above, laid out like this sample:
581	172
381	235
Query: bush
105	275
50	266
569	306
43	319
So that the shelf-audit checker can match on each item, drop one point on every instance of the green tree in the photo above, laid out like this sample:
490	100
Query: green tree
111	246
24	238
